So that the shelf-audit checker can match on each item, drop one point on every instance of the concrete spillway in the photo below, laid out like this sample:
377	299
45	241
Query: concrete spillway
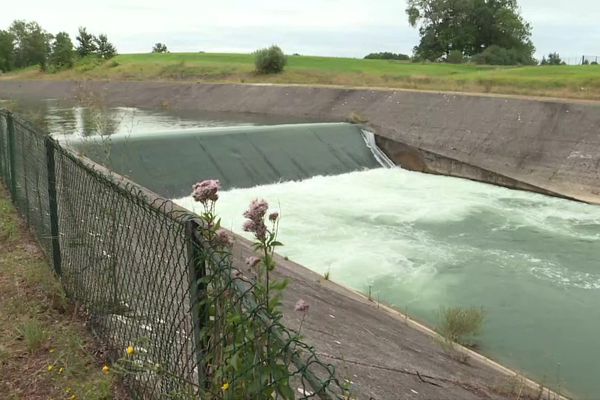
240	157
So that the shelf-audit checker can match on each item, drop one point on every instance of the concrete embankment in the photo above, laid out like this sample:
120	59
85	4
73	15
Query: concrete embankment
545	145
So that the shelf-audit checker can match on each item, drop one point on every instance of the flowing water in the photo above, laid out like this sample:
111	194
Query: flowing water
423	241
420	242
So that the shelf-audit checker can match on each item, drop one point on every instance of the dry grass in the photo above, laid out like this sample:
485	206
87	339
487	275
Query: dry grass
45	349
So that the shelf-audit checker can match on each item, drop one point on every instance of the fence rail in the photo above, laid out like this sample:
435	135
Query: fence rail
136	262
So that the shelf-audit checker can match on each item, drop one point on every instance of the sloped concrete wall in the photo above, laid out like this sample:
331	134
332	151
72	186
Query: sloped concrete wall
544	145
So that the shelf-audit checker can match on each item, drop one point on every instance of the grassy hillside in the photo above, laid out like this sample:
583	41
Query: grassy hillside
557	81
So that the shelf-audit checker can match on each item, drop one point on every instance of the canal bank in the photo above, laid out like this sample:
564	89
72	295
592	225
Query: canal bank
381	362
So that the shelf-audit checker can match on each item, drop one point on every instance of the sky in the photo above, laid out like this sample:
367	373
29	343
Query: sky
344	28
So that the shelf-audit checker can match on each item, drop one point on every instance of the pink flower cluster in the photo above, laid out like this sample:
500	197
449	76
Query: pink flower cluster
206	191
301	306
224	239
255	222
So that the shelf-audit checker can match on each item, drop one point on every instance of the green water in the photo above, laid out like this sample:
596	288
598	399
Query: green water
424	241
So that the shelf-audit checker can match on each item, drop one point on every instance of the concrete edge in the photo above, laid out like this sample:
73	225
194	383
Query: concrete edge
420	160
421	327
546	99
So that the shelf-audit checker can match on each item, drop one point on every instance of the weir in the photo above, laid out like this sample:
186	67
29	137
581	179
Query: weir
170	162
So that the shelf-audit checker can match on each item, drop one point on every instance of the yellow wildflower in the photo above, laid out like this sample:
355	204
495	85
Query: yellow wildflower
225	386
60	371
50	368
106	369
130	351
73	397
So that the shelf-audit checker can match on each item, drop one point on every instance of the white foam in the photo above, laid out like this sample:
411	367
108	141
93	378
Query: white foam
385	224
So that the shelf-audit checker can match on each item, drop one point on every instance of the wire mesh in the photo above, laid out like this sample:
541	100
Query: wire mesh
139	265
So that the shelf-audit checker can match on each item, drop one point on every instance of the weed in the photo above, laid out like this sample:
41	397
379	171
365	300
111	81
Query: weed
461	325
326	275
356	118
8	231
33	334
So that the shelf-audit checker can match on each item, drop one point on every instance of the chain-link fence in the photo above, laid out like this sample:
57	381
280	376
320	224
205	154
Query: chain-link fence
581	60
139	265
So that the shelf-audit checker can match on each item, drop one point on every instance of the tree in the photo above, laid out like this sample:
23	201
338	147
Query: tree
160	48
62	54
468	26
32	44
7	51
87	43
106	50
553	59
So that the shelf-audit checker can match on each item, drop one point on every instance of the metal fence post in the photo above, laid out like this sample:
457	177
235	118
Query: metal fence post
53	206
10	124
196	273
3	150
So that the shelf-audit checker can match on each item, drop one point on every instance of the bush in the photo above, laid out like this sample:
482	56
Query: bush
455	57
270	61
496	55
387	56
461	325
553	59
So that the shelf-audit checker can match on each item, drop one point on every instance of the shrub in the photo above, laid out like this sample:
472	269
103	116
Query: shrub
270	61
553	59
387	56
160	48
461	325
455	57
496	55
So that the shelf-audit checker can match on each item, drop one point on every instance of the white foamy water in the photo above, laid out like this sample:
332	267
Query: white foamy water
423	241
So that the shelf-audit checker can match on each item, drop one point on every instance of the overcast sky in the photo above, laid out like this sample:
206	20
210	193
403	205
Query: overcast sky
350	28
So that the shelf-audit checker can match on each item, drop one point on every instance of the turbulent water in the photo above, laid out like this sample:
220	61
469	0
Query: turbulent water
422	241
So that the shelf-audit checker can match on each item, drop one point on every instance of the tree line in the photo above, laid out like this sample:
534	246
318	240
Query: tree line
26	44
478	31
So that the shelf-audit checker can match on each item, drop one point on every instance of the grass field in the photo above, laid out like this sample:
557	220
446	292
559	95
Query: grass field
556	81
45	349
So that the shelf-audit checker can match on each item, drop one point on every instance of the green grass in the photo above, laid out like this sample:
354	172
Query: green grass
45	349
556	81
